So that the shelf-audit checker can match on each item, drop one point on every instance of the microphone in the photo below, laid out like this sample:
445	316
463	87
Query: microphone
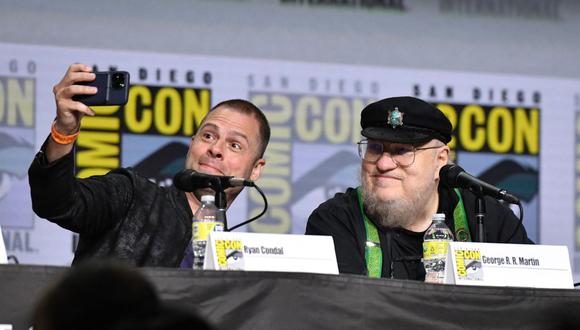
190	180
455	177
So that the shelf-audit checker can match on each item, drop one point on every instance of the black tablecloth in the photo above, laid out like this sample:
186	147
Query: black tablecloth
271	300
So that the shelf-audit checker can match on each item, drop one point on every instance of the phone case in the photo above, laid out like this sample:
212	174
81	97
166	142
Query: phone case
112	89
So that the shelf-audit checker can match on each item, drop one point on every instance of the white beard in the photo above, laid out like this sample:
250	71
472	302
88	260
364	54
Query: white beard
397	213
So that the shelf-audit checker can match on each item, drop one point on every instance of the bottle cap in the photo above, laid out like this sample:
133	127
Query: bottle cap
439	216
207	198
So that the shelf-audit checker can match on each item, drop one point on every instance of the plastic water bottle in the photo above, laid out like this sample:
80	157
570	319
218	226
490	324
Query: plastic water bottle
205	220
435	246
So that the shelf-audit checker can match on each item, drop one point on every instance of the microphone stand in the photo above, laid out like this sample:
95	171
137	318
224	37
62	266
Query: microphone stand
480	215
221	203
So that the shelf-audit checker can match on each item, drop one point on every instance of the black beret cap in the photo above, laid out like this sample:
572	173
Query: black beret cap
404	119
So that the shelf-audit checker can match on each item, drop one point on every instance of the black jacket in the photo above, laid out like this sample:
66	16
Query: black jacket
340	217
119	215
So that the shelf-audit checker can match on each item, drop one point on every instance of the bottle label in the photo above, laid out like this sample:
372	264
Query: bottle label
435	249
201	230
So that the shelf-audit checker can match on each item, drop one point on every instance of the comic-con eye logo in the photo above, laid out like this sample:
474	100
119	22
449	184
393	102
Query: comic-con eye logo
15	154
327	175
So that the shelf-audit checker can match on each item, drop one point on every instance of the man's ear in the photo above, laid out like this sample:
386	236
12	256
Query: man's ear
442	158
189	150
257	170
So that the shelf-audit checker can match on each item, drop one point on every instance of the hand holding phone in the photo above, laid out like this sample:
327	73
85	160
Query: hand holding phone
112	89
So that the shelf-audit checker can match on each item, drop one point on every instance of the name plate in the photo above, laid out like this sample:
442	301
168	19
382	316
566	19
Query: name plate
517	265
270	252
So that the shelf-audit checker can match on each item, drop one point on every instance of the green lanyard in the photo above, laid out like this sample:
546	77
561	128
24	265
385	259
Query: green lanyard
373	251
460	220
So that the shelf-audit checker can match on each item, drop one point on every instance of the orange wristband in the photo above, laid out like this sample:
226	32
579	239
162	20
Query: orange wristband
60	138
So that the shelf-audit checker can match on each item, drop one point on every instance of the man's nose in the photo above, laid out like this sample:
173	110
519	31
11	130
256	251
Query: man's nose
386	162
216	149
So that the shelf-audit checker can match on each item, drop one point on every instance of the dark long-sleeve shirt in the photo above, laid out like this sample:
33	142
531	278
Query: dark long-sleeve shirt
120	215
341	218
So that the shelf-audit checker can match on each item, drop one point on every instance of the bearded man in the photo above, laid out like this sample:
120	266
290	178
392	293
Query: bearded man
378	227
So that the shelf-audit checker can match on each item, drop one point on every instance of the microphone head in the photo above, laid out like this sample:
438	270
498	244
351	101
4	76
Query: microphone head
190	180
181	180
449	175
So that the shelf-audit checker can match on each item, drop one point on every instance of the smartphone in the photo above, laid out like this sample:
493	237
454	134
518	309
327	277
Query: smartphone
112	89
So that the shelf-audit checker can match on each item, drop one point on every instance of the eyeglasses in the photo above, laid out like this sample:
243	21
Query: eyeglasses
402	154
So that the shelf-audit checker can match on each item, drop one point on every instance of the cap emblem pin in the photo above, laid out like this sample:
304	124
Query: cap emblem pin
395	118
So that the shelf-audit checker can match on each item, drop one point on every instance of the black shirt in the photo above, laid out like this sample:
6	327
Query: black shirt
340	217
120	215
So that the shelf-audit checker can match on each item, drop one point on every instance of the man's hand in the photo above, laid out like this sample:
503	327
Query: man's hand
68	111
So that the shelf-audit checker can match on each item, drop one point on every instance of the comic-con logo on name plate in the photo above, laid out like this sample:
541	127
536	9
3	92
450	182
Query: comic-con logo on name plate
395	118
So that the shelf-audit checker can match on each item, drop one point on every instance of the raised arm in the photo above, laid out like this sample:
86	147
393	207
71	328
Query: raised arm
68	111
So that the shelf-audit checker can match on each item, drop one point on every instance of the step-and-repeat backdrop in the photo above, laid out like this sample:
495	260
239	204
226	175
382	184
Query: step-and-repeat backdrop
515	132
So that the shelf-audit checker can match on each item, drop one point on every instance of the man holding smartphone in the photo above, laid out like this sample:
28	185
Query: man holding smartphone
123	215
